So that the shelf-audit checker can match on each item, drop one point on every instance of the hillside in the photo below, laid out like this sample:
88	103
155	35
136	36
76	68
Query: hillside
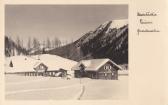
12	49
109	40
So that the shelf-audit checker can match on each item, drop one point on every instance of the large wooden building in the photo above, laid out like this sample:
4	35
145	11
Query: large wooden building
97	69
45	70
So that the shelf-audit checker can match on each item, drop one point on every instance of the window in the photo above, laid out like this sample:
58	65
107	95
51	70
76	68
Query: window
42	67
107	67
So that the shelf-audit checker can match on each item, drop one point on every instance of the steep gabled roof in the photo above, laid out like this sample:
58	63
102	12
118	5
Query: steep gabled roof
94	64
39	63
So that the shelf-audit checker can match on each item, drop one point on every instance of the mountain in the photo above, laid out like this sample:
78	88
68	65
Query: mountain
109	40
12	49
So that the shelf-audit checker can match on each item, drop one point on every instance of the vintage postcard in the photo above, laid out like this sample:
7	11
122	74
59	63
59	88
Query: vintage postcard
74	52
64	52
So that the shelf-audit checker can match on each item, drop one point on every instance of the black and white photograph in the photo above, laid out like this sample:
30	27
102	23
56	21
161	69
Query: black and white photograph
66	52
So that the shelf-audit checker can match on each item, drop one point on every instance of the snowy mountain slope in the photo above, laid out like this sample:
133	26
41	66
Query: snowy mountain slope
109	40
19	64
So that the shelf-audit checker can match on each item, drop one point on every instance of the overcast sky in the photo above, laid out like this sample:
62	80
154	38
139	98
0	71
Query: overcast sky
66	22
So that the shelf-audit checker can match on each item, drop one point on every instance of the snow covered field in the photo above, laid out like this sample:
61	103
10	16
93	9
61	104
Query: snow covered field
54	88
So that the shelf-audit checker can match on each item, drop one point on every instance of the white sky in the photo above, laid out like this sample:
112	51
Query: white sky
66	22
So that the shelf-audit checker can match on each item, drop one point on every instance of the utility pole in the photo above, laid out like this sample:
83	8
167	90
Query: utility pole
82	71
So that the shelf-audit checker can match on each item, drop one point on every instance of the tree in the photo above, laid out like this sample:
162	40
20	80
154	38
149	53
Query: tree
12	48
11	64
43	51
56	42
66	42
59	43
72	40
21	43
18	43
29	44
7	47
36	43
48	43
44	43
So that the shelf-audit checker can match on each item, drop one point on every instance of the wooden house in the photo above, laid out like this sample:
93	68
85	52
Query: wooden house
57	66
40	68
45	70
97	69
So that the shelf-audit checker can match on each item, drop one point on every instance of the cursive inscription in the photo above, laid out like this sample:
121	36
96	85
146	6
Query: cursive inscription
147	30
145	21
146	14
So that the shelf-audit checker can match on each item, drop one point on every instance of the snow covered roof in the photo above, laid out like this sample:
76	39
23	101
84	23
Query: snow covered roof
36	64
123	72
54	62
94	64
27	64
39	63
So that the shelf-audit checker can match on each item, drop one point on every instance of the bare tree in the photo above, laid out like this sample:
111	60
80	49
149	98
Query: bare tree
48	43
72	40
29	44
66	42
18	42
44	43
56	42
21	43
59	43
36	43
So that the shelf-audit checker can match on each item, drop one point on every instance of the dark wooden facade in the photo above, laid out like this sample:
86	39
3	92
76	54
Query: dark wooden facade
51	73
56	73
107	71
42	70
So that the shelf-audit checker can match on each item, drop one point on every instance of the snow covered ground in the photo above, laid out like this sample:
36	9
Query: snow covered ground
54	88
107	89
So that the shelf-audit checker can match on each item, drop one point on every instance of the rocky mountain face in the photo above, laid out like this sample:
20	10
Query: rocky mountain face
109	40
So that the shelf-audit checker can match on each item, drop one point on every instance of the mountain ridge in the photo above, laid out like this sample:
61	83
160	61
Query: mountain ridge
106	41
